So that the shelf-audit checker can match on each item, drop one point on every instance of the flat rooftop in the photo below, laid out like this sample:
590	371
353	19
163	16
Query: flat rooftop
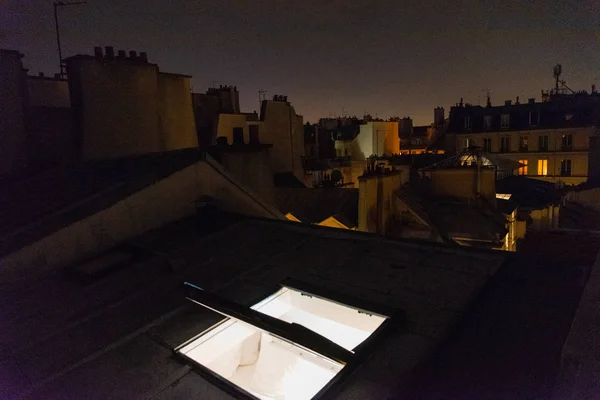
74	333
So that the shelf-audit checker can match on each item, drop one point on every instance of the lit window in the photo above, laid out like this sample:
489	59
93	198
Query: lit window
543	167
487	122
503	196
505	120
523	168
288	346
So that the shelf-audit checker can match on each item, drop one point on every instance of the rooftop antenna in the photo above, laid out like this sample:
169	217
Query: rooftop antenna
556	72
262	96
57	4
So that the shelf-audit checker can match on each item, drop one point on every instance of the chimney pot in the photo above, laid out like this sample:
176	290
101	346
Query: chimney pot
531	100
98	52
121	55
110	52
133	55
143	56
507	102
41	74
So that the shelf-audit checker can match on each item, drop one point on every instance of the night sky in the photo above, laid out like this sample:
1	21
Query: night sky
388	58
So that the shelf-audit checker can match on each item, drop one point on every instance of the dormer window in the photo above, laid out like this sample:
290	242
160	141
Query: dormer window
505	120
487	122
467	123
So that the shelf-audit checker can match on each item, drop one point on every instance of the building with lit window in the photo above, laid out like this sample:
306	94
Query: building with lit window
549	138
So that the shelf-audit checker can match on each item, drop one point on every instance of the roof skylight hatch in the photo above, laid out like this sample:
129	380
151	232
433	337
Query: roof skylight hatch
292	345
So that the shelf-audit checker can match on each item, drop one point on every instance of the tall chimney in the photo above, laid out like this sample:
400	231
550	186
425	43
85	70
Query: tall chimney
110	52
143	56
98	52
121	55
133	55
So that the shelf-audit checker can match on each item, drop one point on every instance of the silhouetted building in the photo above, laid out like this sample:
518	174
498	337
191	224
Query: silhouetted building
125	105
36	121
13	98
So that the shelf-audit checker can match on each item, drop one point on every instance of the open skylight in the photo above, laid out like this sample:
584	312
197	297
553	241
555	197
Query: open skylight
265	352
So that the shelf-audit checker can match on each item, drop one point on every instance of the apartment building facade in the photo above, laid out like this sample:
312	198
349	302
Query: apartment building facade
550	139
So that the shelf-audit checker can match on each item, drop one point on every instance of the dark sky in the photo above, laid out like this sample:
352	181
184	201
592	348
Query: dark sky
383	57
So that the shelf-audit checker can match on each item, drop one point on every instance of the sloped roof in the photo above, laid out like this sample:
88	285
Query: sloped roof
79	190
510	344
528	192
287	180
313	205
452	219
114	336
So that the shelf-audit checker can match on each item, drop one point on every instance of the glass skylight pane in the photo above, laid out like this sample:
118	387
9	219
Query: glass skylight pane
341	324
270	367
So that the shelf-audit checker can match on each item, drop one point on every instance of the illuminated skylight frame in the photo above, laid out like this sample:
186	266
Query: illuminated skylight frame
304	344
503	196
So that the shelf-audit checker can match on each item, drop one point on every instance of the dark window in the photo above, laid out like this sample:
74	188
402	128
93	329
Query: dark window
505	144
238	135
534	118
543	143
468	123
253	133
505	120
565	168
487	122
523	143
487	144
567	142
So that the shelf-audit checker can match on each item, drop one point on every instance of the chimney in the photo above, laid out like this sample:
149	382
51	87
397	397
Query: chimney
517	102
222	141
98	52
438	115
41	74
507	102
143	56
57	76
531	100
110	52
121	55
238	135
133	55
